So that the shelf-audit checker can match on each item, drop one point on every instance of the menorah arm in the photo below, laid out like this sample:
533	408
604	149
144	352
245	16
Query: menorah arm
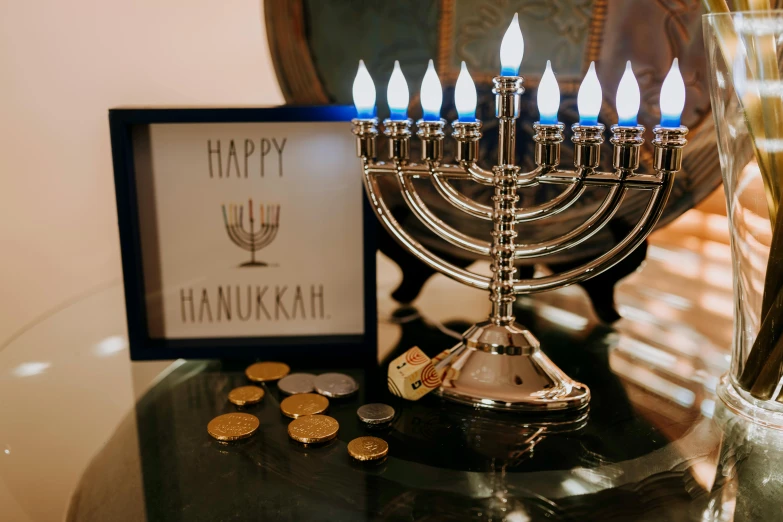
241	234
268	237
262	237
550	208
237	239
418	170
460	200
583	232
559	203
477	174
644	226
441	228
465	170
393	227
251	241
603	179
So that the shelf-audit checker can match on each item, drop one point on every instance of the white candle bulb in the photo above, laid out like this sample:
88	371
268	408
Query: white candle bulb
465	97
397	94
589	98
628	98
512	48
672	97
364	93
548	97
431	94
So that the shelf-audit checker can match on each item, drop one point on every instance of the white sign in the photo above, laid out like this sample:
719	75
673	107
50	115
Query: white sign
250	229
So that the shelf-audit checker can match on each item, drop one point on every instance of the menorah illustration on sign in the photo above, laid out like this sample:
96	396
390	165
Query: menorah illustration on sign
499	363
251	239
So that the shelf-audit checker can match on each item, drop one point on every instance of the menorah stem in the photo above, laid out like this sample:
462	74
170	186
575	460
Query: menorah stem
503	236
507	92
252	241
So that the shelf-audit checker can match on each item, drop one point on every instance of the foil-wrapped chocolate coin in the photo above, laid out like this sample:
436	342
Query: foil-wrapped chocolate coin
267	371
297	383
375	413
335	385
303	404
246	395
233	426
368	448
313	429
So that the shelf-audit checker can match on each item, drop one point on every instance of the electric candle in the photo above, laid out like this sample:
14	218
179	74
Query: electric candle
465	97
397	94
431	94
628	98
548	97
588	100
363	93
672	97
511	49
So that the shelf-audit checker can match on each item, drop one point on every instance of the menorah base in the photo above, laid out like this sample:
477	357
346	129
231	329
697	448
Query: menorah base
502	367
254	263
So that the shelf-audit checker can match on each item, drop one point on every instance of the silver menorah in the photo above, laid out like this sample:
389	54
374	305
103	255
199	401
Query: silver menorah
251	239
499	363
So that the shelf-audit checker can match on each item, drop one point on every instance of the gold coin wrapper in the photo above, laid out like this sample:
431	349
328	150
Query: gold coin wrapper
365	449
303	404
267	371
246	395
413	375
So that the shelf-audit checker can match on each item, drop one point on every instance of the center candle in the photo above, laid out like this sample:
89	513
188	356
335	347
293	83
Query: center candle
511	49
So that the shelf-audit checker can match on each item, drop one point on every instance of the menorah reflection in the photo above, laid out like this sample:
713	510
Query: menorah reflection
251	239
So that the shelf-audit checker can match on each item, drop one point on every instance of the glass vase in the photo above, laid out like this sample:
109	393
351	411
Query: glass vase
746	89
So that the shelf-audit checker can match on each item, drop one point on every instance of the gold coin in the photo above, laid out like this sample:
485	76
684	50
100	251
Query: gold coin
233	426
267	371
246	395
303	404
368	448
312	429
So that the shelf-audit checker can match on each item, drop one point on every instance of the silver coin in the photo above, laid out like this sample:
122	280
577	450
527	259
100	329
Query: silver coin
297	383
335	385
375	413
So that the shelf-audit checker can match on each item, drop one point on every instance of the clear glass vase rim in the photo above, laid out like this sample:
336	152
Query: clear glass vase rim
756	13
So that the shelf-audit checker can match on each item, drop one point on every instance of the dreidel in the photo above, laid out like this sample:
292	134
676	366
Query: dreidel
413	375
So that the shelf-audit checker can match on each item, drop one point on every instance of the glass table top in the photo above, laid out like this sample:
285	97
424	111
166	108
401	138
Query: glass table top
88	436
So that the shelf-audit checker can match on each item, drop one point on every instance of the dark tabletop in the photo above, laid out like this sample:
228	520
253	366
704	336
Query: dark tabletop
626	458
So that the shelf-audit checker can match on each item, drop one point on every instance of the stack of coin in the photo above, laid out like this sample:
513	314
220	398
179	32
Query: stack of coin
313	429
303	404
335	385
309	425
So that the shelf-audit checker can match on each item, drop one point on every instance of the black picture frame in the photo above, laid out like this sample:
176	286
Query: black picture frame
309	350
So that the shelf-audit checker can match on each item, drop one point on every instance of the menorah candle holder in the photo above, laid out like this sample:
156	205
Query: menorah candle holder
499	364
251	239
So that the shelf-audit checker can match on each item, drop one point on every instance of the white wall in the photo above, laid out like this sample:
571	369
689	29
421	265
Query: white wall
62	65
